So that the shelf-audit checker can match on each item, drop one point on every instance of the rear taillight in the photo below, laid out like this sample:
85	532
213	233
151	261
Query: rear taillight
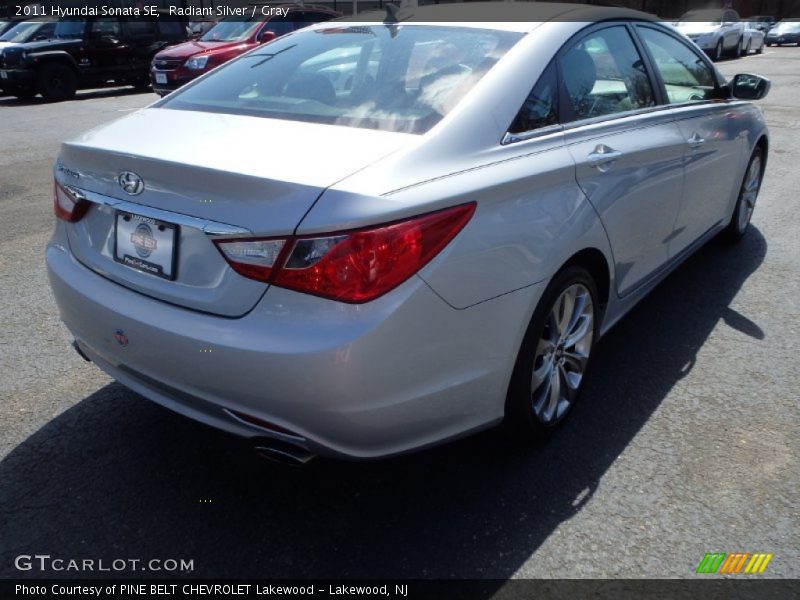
351	266
68	204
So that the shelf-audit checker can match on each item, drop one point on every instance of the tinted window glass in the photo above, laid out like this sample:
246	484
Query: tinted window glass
541	106
138	28
604	74
686	76
170	30
105	27
391	78
70	28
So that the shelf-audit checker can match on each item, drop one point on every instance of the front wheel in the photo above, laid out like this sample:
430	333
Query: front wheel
748	194
551	366
57	82
24	94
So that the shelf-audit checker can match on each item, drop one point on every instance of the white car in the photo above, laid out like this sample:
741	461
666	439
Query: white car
716	31
754	38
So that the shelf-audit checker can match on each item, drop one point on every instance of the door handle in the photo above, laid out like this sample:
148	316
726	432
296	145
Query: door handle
603	157
695	141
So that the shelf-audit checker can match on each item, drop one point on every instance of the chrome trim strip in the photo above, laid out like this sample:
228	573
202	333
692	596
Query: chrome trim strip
204	225
512	138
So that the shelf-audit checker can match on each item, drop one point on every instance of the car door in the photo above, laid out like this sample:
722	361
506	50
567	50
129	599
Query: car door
628	153
713	139
107	53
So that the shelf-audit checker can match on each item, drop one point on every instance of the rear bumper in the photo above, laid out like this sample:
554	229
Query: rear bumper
399	373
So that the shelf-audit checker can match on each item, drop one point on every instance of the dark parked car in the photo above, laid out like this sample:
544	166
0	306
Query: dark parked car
85	53
229	38
785	32
763	22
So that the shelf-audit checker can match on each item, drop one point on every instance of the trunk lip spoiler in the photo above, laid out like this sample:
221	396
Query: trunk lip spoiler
207	226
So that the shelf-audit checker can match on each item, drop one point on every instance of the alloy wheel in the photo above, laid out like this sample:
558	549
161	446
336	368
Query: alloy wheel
562	354
752	183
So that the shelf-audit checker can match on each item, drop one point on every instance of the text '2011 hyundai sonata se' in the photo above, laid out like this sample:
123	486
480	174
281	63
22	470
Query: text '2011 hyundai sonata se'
367	238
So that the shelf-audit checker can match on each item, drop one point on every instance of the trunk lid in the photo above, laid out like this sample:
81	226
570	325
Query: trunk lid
208	174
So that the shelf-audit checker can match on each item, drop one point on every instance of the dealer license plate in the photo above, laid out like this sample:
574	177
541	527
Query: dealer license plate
146	244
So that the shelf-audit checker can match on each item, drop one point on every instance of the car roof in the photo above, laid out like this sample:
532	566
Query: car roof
511	16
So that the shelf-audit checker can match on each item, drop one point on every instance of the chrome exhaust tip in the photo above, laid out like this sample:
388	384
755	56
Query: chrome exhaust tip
283	453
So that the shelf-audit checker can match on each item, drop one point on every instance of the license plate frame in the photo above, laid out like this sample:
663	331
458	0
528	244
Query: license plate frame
161	78
148	233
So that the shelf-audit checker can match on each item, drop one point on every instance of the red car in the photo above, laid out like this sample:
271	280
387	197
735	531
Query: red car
177	65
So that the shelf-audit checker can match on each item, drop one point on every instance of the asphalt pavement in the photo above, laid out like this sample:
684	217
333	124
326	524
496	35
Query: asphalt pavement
686	441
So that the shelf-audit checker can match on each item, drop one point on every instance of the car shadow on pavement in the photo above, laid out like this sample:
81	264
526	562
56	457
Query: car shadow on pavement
94	94
118	477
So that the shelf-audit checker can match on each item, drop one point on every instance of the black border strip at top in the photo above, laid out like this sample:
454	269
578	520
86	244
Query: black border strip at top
432	10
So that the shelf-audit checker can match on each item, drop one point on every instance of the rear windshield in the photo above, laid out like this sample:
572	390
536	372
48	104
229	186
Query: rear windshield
394	78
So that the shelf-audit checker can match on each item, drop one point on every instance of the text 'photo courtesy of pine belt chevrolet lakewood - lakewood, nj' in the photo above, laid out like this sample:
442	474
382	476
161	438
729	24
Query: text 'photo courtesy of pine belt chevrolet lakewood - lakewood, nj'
375	234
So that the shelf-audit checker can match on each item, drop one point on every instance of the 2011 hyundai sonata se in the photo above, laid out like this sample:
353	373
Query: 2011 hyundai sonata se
367	238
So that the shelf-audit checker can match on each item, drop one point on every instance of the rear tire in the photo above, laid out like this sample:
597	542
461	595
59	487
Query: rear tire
739	50
748	194
24	94
141	84
57	82
718	52
555	355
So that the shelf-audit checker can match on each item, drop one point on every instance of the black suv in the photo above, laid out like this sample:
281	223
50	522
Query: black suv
91	52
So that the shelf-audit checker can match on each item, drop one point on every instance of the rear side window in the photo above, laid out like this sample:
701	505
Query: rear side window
541	106
686	76
603	74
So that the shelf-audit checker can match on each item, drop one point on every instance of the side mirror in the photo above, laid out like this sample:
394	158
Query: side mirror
266	36
746	86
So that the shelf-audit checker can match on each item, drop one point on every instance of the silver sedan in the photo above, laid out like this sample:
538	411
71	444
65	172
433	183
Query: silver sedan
367	238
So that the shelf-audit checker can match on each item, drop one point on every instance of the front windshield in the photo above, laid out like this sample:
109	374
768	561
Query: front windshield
70	29
232	29
394	78
20	32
